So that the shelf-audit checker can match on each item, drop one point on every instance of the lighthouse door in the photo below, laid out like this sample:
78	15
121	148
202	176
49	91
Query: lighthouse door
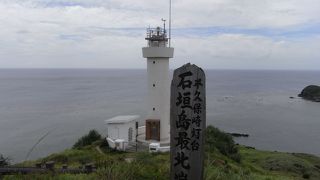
153	129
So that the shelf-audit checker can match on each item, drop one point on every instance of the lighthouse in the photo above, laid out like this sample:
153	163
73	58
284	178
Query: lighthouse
158	54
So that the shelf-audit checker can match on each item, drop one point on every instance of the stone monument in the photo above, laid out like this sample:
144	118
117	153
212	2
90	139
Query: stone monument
187	123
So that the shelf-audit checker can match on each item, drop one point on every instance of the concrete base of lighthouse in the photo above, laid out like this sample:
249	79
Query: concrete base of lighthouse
142	138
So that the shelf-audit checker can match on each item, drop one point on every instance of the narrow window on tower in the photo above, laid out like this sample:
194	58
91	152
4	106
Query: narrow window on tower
154	109
154	62
154	85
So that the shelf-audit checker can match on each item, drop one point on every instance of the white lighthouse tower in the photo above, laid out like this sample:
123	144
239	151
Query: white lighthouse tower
158	53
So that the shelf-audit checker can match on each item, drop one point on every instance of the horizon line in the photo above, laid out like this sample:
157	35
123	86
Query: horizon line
97	68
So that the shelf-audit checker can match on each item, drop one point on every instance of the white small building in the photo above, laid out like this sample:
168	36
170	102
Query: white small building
121	131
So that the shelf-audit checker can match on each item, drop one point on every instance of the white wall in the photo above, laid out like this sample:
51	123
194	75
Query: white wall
159	96
120	131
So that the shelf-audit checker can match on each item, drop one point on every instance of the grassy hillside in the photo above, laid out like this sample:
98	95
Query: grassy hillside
224	160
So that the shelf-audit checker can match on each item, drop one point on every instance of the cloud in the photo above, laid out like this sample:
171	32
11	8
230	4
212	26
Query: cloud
237	51
243	34
189	13
248	13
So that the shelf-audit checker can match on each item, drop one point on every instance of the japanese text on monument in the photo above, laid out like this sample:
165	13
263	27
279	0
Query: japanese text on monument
187	123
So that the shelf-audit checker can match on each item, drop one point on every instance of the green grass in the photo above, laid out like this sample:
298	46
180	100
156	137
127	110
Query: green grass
220	164
52	177
292	165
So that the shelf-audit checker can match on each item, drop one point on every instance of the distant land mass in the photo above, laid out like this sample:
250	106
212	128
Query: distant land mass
311	93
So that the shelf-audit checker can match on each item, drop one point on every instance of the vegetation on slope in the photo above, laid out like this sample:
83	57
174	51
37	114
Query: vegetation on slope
88	139
4	161
223	142
224	161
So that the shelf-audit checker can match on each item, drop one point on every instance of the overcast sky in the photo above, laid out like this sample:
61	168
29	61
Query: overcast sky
214	34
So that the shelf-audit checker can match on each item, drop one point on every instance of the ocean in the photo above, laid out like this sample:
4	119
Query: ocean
67	103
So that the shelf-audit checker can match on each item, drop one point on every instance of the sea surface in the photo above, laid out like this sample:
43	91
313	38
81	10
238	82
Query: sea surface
67	103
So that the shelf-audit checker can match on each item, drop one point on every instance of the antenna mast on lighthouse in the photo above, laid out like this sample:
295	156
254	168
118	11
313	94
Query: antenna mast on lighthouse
169	23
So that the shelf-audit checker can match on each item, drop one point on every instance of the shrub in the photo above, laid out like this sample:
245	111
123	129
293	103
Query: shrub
4	161
88	139
216	139
306	176
104	143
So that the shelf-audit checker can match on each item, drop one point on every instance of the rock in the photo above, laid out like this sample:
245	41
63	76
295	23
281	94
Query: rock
311	93
249	147
238	135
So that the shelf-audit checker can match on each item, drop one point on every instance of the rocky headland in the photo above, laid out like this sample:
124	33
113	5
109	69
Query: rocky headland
311	93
